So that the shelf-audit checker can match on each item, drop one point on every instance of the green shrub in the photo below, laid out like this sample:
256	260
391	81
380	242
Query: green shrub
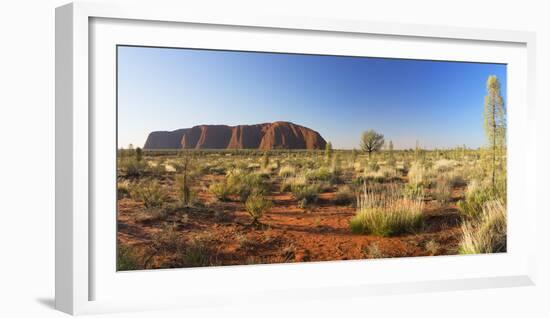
323	174
306	194
245	184
386	213
344	196
150	193
168	239
286	184
442	191
475	198
487	233
217	170
419	174
156	169
380	174
455	178
413	191
123	189
132	168
256	205
444	165
196	252
287	172
128	259
220	190
372	165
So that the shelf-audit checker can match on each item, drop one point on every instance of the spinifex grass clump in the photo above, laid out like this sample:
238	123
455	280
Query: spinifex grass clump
380	174
442	190
244	184
419	174
413	190
132	168
220	190
256	205
151	193
287	171
128	259
321	174
306	194
386	212
123	189
344	195
476	196
486	234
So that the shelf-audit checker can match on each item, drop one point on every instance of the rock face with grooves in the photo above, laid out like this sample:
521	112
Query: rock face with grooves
277	135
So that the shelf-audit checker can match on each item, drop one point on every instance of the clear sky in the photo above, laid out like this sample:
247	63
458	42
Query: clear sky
440	104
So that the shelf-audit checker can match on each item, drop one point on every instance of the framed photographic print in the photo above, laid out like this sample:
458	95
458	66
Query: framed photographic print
201	158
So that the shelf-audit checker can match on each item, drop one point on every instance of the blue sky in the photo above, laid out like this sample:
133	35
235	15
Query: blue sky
440	104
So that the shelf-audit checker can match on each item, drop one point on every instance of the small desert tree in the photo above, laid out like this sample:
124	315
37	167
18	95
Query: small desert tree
494	121
371	141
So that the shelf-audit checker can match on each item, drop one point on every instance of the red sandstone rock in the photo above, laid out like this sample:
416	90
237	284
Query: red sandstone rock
277	135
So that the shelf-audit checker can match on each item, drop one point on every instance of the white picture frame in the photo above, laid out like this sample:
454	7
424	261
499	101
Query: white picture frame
84	285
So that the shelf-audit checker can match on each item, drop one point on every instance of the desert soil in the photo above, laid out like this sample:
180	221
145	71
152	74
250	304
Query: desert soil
287	232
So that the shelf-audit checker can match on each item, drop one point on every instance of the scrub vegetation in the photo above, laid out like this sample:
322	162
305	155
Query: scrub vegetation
189	208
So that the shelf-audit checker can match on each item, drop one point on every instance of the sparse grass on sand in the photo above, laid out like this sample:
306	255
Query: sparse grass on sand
487	234
386	213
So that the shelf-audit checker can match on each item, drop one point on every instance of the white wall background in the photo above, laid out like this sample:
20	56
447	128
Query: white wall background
27	158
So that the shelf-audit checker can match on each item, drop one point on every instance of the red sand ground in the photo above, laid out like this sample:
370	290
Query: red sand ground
288	233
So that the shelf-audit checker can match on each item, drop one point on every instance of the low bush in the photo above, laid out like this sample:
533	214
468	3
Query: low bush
196	252
123	189
373	251
287	172
151	193
256	205
128	258
155	169
167	239
306	194
287	184
419	174
245	184
455	179
475	198
487	233
442	191
344	196
382	174
132	168
444	165
413	191
220	190
323	174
